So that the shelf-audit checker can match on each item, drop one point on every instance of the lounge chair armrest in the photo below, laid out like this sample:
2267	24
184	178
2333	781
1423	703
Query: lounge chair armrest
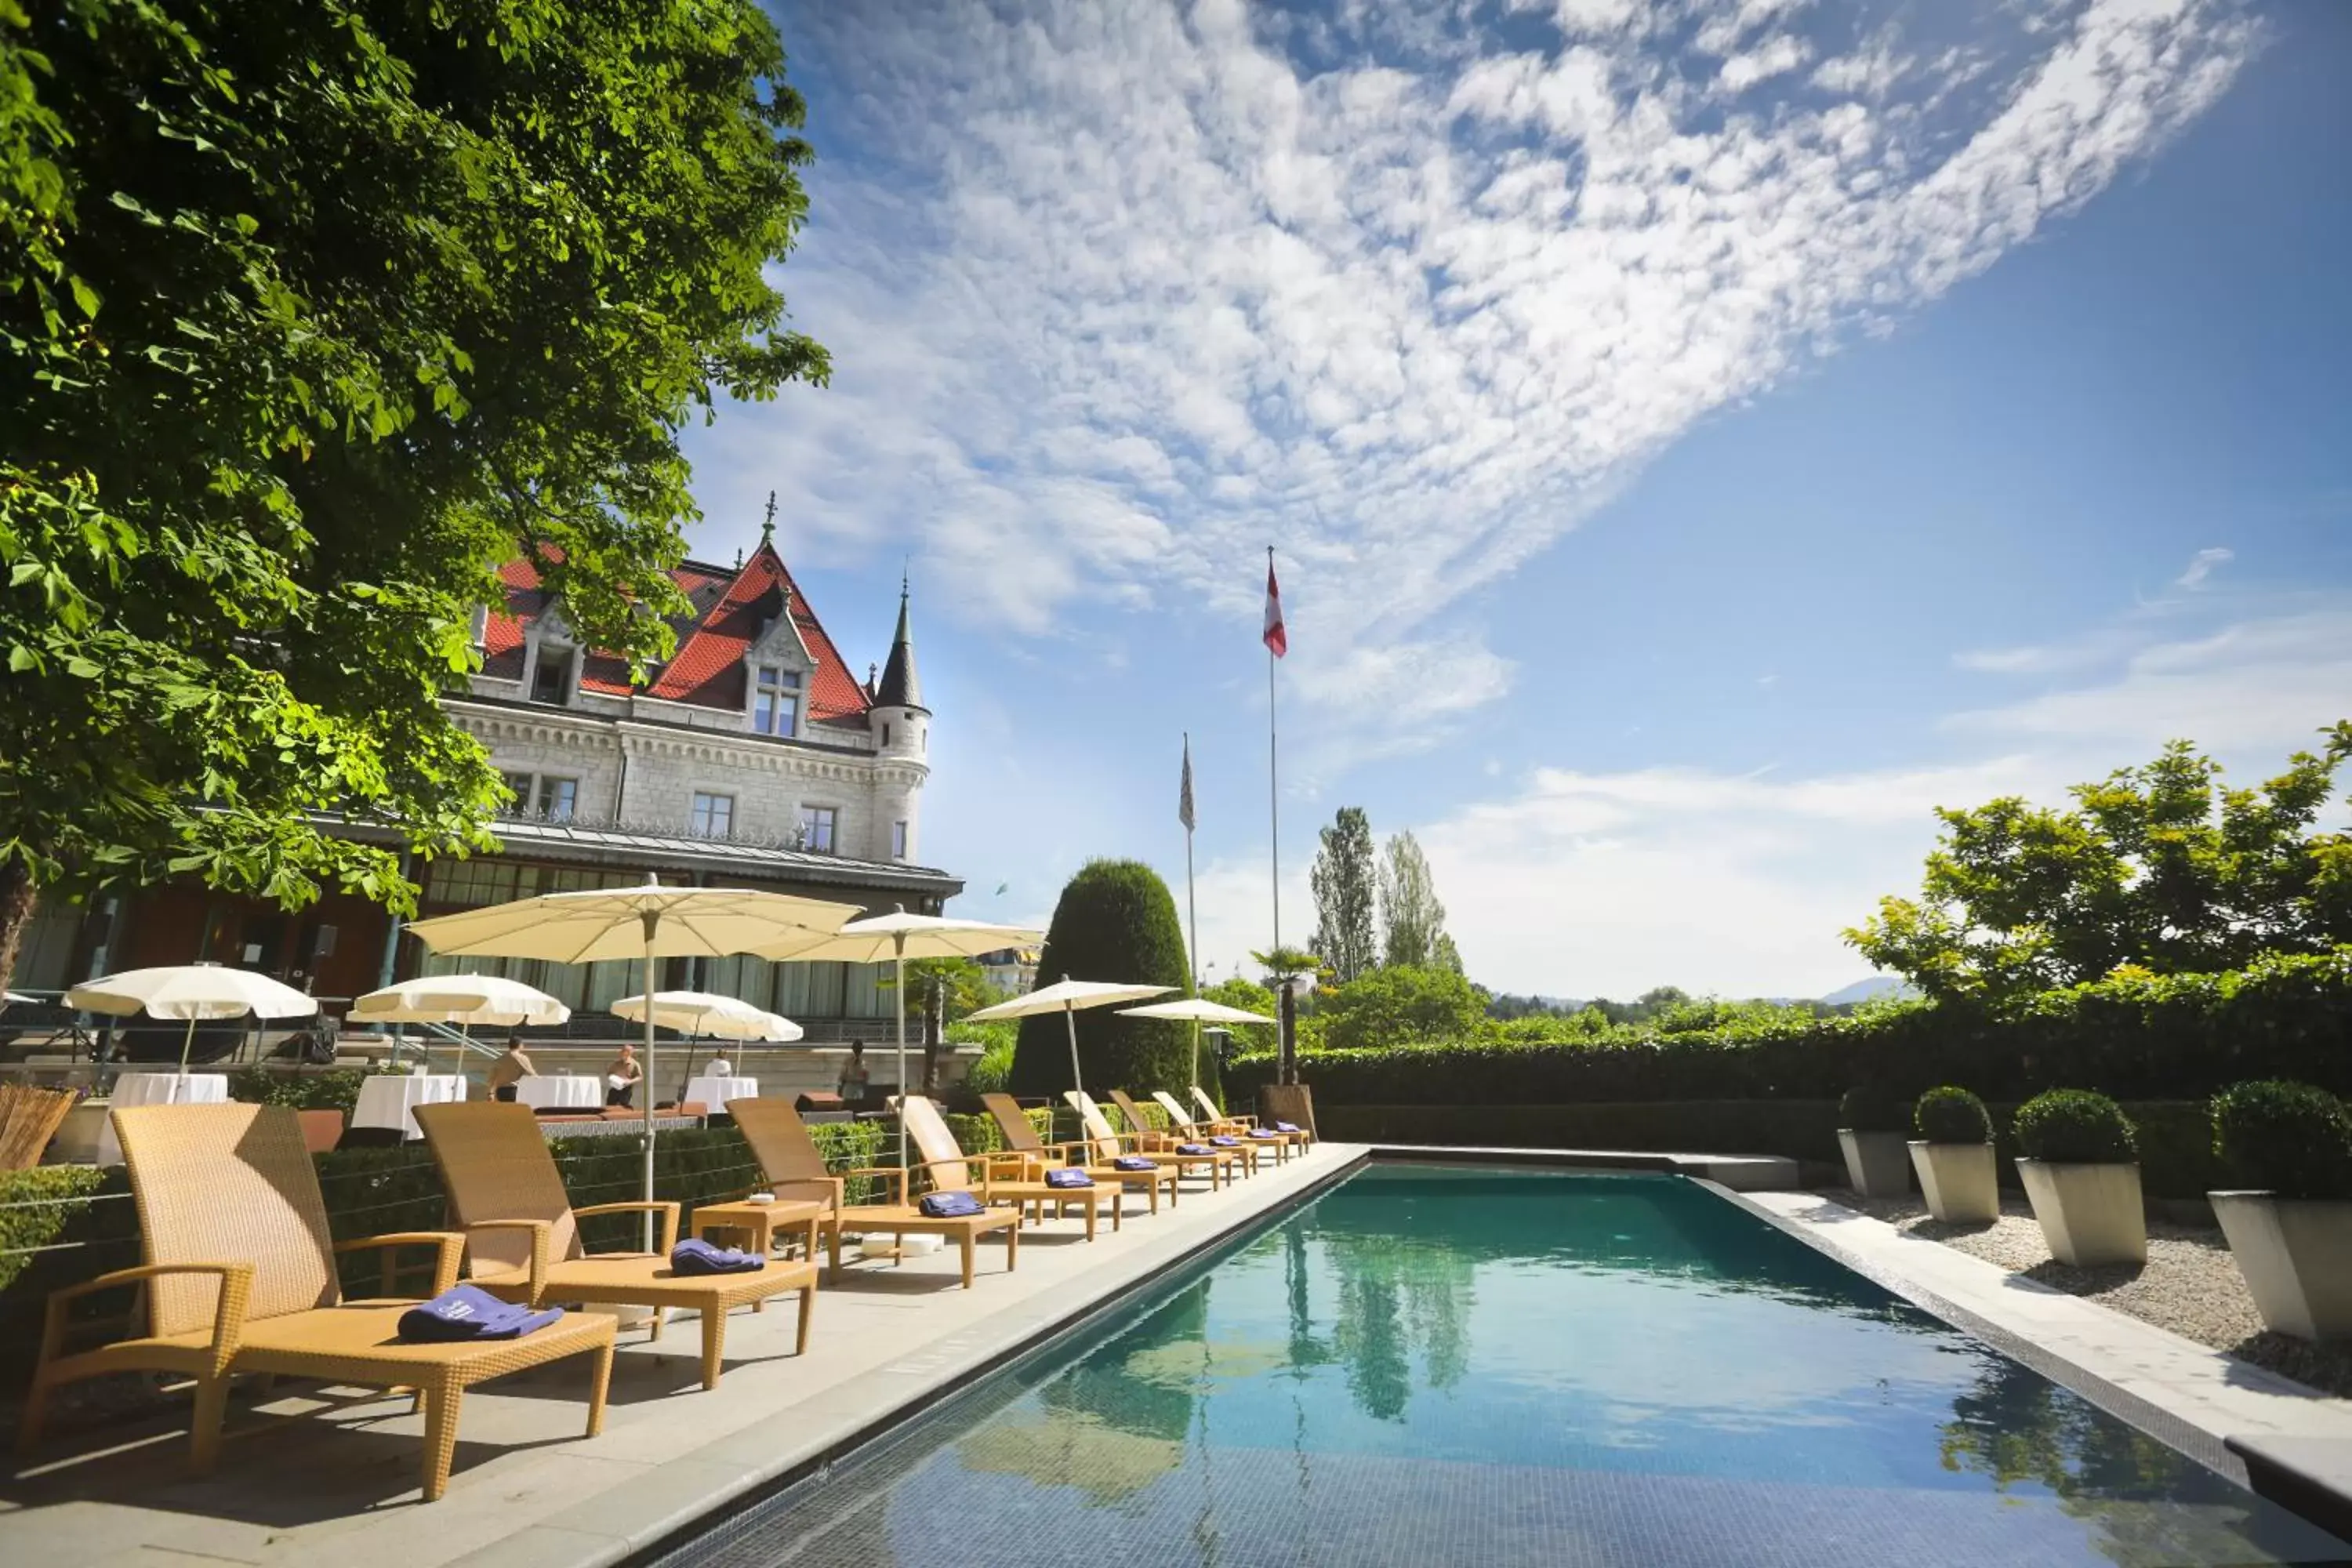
228	1307
894	1180
540	1231
662	1206
451	1253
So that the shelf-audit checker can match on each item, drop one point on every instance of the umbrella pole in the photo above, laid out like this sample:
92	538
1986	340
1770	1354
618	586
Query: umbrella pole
187	1043
1070	1017
647	1078
898	962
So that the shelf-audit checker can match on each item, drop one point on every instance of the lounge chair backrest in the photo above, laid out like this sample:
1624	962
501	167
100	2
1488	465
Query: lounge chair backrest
1020	1133
227	1184
1097	1125
790	1161
927	1131
495	1164
1135	1121
1208	1107
1178	1117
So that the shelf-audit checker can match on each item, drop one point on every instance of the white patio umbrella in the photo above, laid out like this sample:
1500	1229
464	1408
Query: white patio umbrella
1065	996
898	937
464	1000
195	992
12	996
1200	1010
692	1013
645	923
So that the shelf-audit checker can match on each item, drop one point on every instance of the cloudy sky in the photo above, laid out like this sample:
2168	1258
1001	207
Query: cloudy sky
1698	439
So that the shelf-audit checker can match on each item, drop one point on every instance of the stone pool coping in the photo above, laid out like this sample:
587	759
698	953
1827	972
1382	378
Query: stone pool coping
2288	1443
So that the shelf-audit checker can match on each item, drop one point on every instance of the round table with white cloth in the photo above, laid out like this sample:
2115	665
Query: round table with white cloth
389	1099
713	1090
562	1092
158	1089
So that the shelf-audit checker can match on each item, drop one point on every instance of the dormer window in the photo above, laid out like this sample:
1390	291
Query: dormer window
776	700
551	677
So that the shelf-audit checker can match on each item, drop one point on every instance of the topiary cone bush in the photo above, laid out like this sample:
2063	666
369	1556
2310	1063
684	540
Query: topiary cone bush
2288	1139
1116	922
1869	1107
2074	1127
1951	1115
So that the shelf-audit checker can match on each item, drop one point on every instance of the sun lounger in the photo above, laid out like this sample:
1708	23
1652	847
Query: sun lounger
1300	1137
1280	1143
792	1168
240	1278
951	1168
522	1235
1216	1165
1020	1138
1182	1132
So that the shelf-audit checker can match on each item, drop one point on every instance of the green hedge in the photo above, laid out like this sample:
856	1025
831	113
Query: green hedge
333	1088
22	1229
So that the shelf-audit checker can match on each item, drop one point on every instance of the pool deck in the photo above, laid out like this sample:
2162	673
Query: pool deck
2288	1442
529	1493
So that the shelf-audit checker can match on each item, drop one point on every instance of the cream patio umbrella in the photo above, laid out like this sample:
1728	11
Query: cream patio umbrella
1065	996
692	1013
464	1000
898	937
645	923
195	992
1200	1010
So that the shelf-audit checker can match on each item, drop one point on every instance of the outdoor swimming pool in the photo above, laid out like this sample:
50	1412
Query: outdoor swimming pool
1442	1365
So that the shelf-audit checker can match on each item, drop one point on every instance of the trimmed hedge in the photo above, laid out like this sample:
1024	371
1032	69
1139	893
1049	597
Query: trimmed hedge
2074	1127
1950	1115
2285	1138
1870	1108
1116	920
22	1229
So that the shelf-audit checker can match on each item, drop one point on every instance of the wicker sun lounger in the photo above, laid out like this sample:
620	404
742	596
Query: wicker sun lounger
1217	1166
1282	1143
1003	1177
1242	1123
794	1168
240	1278
1020	1138
522	1235
1182	1131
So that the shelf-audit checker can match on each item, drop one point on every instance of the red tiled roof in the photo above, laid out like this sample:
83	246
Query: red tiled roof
730	608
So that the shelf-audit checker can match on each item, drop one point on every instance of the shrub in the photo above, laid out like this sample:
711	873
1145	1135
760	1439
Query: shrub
2074	1127
337	1089
1399	1005
993	1070
1116	920
34	1205
1949	1115
2285	1138
1869	1107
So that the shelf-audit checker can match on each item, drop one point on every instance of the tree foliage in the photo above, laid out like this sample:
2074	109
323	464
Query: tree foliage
1397	1005
2157	869
1116	920
1413	921
1346	881
316	311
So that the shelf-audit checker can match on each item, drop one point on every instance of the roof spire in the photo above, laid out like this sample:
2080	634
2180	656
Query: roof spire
899	689
767	525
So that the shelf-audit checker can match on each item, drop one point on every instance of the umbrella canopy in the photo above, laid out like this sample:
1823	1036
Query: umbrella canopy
701	1012
464	1000
1065	996
1198	1010
12	996
193	991
646	922
897	937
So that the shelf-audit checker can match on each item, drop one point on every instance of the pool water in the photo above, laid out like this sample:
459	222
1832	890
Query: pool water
1443	1365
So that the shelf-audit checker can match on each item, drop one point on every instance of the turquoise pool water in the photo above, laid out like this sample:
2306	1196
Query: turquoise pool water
1439	1365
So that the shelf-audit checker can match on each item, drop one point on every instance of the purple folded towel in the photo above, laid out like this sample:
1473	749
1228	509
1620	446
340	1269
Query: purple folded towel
1068	1176
1132	1162
468	1312
1263	1132
1225	1141
696	1256
951	1205
1286	1127
1194	1149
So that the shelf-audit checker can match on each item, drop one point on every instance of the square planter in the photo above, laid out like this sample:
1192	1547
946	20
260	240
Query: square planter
1877	1164
1959	1181
2090	1215
2296	1256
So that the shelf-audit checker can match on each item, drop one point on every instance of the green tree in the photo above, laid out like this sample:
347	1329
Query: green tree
1399	1006
1345	881
1116	920
316	312
2157	867
1412	917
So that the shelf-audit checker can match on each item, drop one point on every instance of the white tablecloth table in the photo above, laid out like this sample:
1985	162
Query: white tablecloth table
389	1099
562	1092
715	1089
158	1089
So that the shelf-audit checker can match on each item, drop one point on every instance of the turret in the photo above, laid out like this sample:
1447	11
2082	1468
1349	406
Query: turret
901	727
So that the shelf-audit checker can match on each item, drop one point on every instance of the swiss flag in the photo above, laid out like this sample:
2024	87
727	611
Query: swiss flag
1276	639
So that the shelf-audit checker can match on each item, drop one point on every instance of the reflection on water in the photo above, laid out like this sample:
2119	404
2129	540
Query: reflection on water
1436	1366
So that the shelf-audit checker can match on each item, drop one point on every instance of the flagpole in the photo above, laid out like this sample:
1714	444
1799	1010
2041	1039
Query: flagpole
1192	903
1273	790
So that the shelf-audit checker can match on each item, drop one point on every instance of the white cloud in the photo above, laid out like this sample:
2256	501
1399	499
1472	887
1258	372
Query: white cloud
2202	565
1120	293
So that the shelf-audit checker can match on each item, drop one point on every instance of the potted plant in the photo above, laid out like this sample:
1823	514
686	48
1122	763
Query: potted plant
2080	1165
1953	1155
1870	1131
2291	1229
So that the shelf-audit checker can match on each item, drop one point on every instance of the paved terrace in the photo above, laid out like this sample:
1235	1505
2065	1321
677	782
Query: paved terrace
306	1479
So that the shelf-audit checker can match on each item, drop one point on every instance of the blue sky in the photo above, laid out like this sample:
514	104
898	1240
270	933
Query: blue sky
1698	439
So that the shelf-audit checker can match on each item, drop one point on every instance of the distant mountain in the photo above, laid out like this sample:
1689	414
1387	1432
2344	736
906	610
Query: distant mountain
1870	990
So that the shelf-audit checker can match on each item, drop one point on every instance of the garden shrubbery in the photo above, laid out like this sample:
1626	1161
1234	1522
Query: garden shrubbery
2285	1138
1950	1115
2074	1127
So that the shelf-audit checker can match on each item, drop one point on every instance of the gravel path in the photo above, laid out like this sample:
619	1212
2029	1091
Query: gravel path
2190	1284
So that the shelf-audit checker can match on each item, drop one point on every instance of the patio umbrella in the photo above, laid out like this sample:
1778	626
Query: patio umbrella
195	992
644	923
1200	1010
1065	996
900	936
464	1000
692	1013
12	996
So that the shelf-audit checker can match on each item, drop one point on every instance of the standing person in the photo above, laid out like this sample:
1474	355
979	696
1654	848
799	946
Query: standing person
855	1077
622	1077
511	1069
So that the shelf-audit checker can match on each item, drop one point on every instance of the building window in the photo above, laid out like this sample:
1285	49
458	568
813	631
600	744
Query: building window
897	841
557	798
520	785
776	700
886	737
550	678
714	815
816	828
